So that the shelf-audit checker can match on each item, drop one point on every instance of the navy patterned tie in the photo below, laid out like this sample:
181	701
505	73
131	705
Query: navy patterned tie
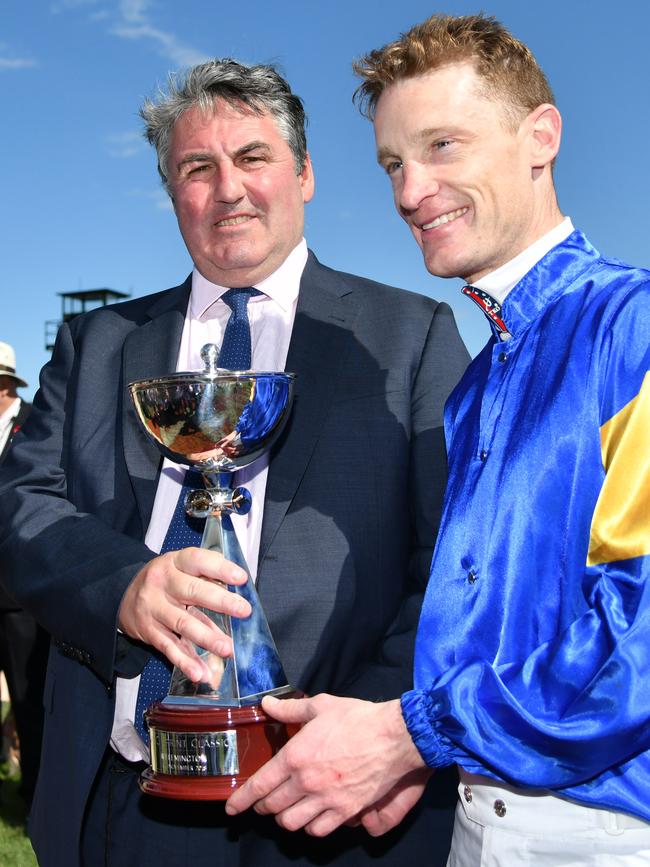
184	531
236	347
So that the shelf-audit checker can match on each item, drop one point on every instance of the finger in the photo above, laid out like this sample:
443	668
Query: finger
207	661
324	823
353	822
195	627
300	814
281	798
289	710
190	632
179	653
378	822
371	821
211	565
216	598
186	591
391	809
271	776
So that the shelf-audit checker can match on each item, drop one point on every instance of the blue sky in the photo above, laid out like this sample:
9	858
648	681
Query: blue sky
82	204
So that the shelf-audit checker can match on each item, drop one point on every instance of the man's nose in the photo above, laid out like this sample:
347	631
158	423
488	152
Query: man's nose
228	185
417	183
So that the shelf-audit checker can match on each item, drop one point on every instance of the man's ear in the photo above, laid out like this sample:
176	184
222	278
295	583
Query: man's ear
545	132
307	182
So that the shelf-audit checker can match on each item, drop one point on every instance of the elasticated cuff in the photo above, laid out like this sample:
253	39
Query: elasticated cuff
420	711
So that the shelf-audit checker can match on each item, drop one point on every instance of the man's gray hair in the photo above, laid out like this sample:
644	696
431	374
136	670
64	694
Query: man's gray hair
260	88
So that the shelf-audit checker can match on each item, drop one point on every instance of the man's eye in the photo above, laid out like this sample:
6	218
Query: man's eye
197	170
392	167
440	145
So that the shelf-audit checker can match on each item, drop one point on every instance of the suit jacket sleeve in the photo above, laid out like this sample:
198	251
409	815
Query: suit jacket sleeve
68	567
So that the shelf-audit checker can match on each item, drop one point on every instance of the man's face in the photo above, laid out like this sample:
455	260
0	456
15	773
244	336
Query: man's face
8	391
462	180
237	197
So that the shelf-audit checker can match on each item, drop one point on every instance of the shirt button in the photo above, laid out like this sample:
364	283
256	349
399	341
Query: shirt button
471	577
500	808
467	794
483	456
503	356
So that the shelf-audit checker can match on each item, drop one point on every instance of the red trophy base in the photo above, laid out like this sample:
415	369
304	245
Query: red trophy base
201	753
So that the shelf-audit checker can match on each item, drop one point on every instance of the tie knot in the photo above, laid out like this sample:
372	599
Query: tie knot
237	299
236	347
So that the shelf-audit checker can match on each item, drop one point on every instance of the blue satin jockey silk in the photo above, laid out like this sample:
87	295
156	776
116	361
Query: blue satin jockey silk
533	650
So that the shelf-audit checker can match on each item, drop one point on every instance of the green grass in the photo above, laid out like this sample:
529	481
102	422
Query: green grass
15	848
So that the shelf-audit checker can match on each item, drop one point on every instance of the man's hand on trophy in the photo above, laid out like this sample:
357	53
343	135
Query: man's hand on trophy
160	605
349	756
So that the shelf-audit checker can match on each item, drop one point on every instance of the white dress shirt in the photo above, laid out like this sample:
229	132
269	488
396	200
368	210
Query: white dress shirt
6	421
271	317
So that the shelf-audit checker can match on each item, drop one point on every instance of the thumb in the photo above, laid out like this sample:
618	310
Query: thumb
288	710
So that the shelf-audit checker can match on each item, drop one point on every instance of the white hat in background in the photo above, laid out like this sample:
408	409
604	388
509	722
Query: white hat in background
8	364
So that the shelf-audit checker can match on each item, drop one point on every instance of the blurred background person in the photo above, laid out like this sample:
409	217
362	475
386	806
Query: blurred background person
23	644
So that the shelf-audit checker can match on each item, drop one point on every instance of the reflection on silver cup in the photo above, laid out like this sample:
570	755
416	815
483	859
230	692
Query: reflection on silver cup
219	422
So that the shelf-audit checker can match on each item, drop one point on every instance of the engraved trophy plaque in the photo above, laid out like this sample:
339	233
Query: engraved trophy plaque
209	737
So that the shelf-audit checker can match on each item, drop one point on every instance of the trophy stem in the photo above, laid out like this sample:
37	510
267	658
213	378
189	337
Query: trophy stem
219	534
254	670
213	536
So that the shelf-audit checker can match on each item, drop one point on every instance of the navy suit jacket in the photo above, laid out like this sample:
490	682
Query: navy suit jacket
352	507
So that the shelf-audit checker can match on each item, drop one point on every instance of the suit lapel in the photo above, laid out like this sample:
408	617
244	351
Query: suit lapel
150	351
322	329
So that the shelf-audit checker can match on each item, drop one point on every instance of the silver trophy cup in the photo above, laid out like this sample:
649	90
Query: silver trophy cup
209	737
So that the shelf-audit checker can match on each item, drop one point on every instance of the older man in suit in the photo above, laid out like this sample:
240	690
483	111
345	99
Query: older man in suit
351	493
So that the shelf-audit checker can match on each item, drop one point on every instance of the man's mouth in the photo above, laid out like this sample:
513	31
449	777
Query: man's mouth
444	218
233	221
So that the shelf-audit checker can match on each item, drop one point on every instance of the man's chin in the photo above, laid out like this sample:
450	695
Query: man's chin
438	267
235	271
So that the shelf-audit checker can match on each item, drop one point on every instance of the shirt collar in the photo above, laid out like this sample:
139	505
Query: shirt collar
499	283
549	278
282	286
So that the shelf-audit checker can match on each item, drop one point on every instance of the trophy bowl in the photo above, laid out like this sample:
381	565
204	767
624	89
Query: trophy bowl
208	737
218	422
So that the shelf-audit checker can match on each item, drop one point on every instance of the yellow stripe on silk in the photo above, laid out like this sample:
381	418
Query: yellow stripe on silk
620	528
